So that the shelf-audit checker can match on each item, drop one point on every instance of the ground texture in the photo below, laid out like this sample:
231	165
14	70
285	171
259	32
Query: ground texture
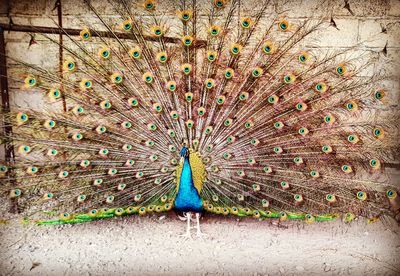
151	246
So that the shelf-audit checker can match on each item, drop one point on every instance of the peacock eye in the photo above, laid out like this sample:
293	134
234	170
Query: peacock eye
211	56
200	111
379	94
298	160
171	86
283	25
361	195
149	5
85	34
210	83
257	72
186	68
278	125
219	4
246	23
187	40
391	194
151	127
341	70
378	133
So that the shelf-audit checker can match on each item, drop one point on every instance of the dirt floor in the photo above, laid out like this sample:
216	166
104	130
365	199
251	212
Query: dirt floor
152	246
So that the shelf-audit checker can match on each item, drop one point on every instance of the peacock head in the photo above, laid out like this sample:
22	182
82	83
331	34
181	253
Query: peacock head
184	151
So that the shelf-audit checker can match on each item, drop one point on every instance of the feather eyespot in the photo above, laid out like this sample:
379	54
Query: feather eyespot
243	96
236	48
214	30
189	123
157	31
147	77
257	72
162	57
127	25
284	185
329	119
379	94
375	164
174	115
186	68
273	99
219	4
283	25
133	102
298	160
304	57
106	104
289	78
391	194
346	169
246	23
151	127
24	149
301	106
117	78
378	133
52	152
135	52
149	5
278	125
85	34
30	81
85	84
22	118
69	65
189	97
228	122
314	174
157	107
212	56
220	99
327	149
78	110
341	70
320	87
330	198
54	94
352	138
303	131
104	53
185	15
361	196
351	106
229	73
210	83
187	40
268	47
171	86
201	111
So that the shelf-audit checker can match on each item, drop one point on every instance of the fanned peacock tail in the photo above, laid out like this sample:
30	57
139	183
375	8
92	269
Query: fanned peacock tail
275	128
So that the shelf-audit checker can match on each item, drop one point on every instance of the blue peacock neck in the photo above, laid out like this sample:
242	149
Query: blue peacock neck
187	199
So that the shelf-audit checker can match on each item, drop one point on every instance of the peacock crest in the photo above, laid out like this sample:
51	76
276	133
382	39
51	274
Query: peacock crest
275	127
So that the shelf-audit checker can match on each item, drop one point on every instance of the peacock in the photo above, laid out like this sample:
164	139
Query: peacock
216	110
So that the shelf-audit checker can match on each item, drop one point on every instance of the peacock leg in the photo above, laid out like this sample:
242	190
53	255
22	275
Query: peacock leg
188	216
199	233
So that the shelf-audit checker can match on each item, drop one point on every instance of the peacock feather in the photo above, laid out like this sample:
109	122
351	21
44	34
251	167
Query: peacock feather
217	109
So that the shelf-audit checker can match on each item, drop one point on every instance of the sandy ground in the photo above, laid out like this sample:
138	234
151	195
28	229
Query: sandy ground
151	246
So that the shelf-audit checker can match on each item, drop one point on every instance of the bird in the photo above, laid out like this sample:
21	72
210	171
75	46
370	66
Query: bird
216	110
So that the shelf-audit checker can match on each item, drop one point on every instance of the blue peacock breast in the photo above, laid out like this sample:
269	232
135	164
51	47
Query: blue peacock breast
188	198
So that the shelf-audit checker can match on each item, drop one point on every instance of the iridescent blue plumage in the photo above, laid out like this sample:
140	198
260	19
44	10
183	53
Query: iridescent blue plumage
187	199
